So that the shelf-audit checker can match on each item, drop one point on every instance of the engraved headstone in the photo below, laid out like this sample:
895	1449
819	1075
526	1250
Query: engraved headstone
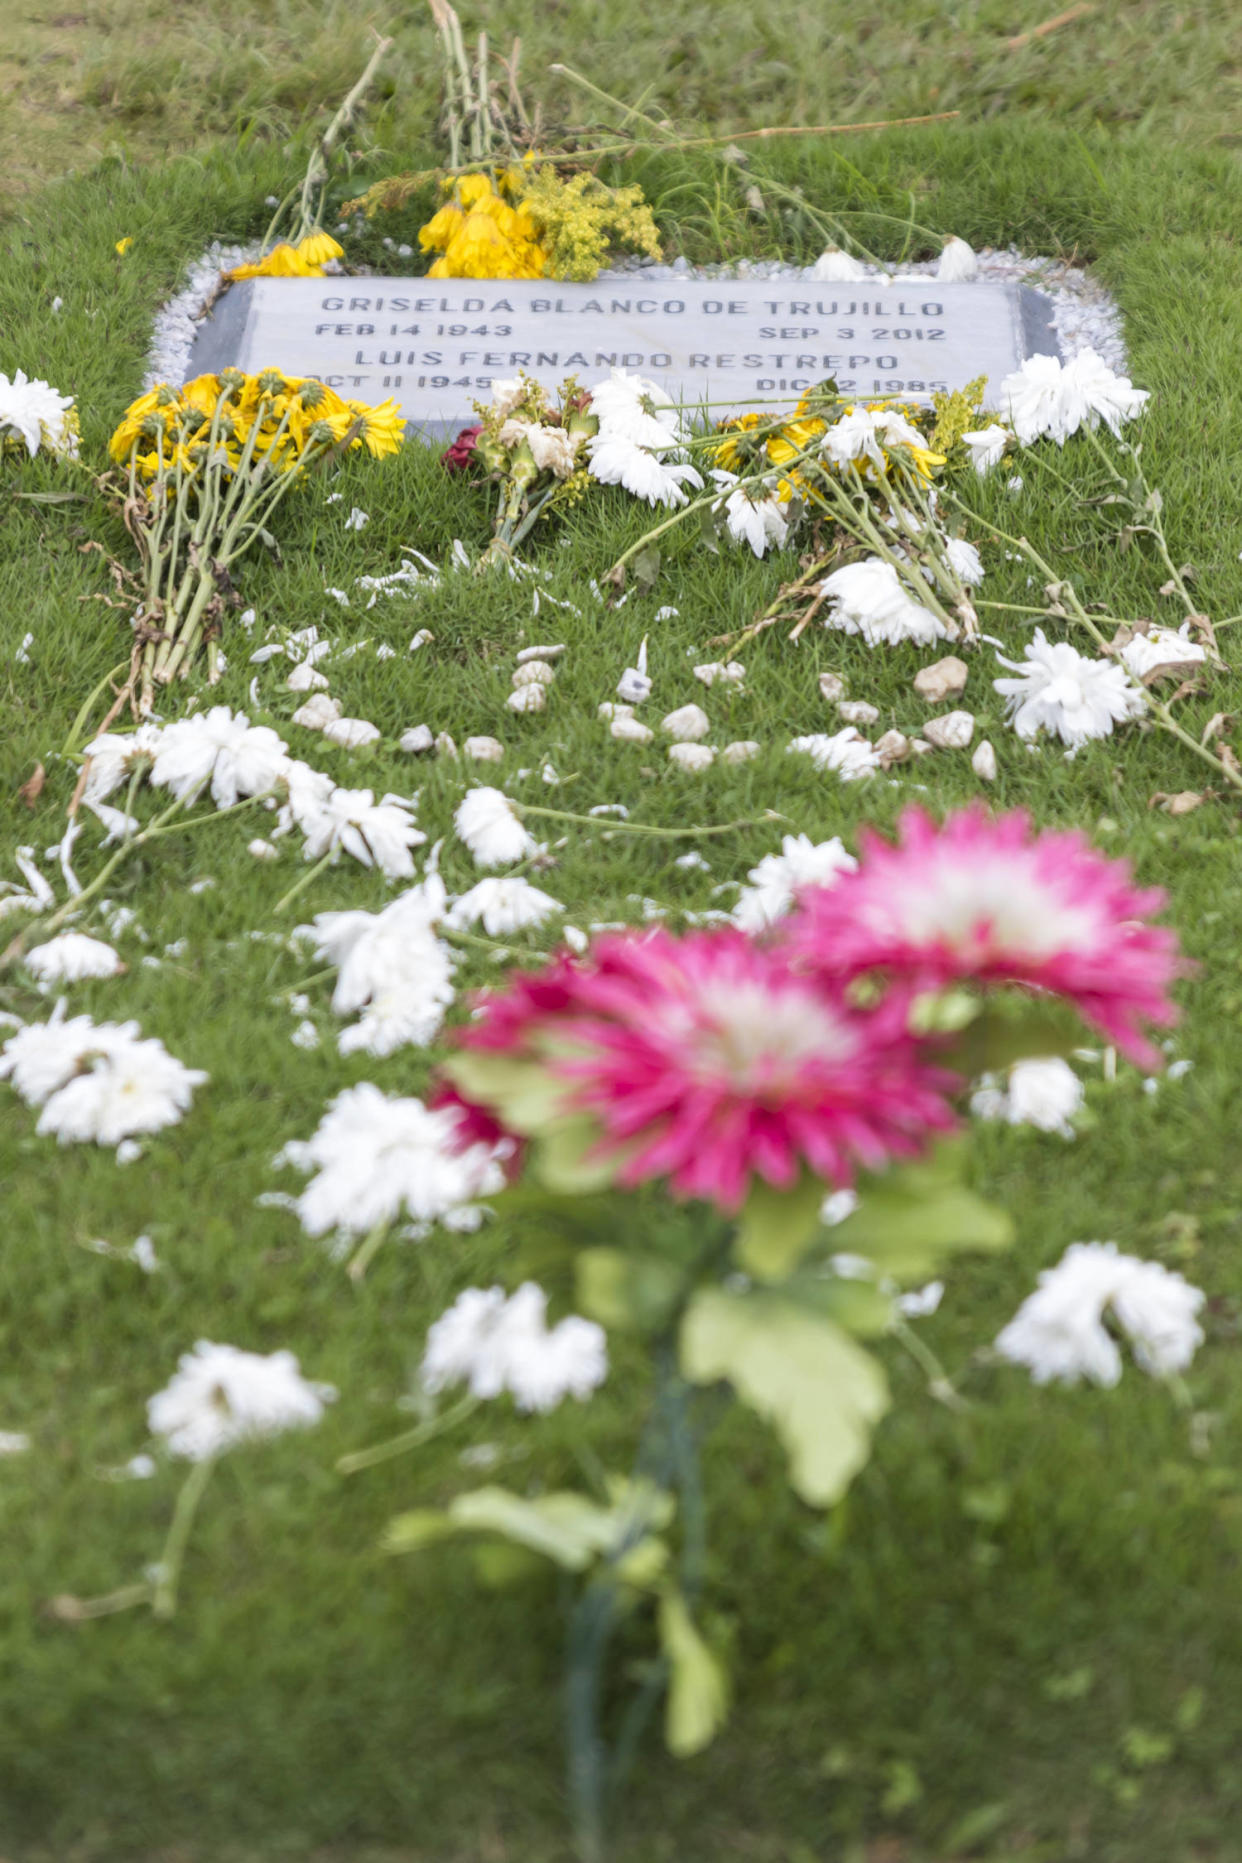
716	345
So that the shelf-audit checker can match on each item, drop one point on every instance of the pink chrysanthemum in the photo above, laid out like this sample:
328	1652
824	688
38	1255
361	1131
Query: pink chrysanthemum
707	1062
995	901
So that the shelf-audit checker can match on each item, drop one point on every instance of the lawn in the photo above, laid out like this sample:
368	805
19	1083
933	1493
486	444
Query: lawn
1018	1636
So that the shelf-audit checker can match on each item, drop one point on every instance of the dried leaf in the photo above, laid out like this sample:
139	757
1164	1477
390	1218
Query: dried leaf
1183	803
32	788
1216	726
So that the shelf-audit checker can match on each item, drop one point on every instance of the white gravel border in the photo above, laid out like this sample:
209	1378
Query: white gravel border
1084	315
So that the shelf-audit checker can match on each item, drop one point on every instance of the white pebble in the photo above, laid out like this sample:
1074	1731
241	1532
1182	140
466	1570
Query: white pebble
693	757
858	712
418	738
527	699
951	732
944	679
351	733
687	724
540	653
741	751
630	731
534	673
318	712
304	678
262	850
983	763
484	749
831	687
728	673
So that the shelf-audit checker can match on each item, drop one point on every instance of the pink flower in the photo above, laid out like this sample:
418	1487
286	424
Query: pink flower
706	1061
996	901
459	455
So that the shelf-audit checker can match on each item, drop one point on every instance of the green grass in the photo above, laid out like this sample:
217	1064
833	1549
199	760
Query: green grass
1004	1597
136	79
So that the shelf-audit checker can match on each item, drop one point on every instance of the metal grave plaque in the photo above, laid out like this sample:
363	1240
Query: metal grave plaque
715	345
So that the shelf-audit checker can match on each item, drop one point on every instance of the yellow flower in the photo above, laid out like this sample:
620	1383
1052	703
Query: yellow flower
786	444
131	422
283	261
123	245
736	451
318	248
483	237
380	429
439	230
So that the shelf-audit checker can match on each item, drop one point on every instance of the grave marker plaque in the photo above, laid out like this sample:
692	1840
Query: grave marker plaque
720	345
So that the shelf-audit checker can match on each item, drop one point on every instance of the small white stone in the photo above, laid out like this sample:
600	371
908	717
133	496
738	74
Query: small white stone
983	763
318	712
893	747
919	747
609	709
484	749
633	686
858	712
942	680
417	739
527	699
262	850
423	638
534	673
687	724
629	730
741	751
540	653
351	733
304	678
951	732
444	745
727	672
831	687
693	757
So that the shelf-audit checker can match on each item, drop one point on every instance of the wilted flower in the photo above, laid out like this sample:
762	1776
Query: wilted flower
237	758
491	828
503	906
33	414
775	881
1062	691
220	1396
494	1344
72	956
1046	1094
1059	1333
870	599
460	455
846	753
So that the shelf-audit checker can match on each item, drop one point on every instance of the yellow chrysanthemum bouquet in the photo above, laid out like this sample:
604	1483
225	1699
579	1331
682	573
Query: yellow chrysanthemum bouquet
206	468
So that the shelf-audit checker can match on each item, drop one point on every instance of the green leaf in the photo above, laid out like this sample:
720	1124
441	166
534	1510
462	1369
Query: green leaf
1020	1032
819	1390
423	1526
698	1689
632	1292
561	1159
647	567
524	1095
777	1226
565	1527
907	1221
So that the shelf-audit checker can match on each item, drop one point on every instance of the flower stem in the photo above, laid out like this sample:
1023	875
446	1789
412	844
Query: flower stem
410	1439
164	1597
623	827
368	1250
300	885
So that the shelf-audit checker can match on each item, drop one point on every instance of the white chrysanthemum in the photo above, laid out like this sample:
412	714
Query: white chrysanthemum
44	1055
753	514
407	1014
114	757
965	560
506	395
379	834
836	267
136	1086
1045	1093
220	1396
71	957
37	415
503	906
375	952
1162	646
494	1344
987	446
1105	395
641	473
1060	691
846	753
1045	398
552	449
628	407
376	1157
237	758
870	599
1059	1333
958	261
775	881
487	822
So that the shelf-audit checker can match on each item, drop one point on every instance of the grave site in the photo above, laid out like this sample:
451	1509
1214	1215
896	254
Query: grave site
618	988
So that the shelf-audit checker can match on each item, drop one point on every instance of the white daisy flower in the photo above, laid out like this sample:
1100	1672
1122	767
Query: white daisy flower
36	415
753	514
72	956
136	1086
220	1396
1047	398
379	834
870	599
1059	1333
491	828
1162	646
405	1014
44	1055
503	906
965	560
114	757
494	1344
237	758
632	409
846	753
775	880
1045	1093
644	475
1060	691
